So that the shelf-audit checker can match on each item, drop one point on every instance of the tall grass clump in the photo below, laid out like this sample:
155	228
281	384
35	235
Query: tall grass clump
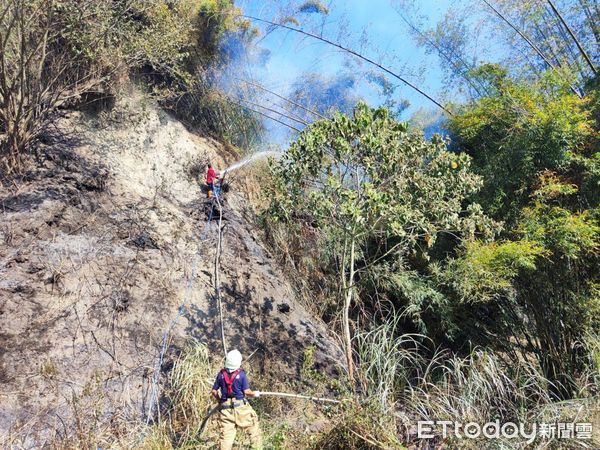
482	388
387	364
190	381
403	381
187	393
387	361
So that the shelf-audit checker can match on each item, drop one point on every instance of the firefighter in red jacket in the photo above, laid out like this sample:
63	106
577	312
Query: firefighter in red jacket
211	177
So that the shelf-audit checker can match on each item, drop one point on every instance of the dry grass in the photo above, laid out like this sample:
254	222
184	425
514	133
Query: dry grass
285	423
479	388
400	387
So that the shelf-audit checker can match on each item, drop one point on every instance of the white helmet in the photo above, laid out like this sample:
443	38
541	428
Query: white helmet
233	361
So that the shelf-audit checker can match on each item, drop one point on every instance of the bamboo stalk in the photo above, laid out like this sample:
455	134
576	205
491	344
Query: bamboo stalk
283	98
267	116
521	34
529	41
579	46
287	116
354	53
446	56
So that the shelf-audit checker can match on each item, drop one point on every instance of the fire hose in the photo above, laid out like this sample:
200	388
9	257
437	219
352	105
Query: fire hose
215	409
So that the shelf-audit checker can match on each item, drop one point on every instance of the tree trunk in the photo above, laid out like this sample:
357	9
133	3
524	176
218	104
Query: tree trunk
349	289
13	148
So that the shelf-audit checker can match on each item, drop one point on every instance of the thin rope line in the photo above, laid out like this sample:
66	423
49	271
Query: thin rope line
180	311
217	273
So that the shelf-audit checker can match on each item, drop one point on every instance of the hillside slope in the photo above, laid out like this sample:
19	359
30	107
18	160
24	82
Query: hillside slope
97	251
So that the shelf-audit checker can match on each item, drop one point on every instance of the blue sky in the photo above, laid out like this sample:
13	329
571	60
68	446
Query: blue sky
388	41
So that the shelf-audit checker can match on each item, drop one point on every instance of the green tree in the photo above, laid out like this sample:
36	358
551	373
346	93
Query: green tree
374	192
518	131
534	293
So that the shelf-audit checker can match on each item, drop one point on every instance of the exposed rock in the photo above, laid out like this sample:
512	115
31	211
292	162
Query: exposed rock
96	254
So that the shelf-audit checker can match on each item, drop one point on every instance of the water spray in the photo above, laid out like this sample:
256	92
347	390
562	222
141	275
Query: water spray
248	159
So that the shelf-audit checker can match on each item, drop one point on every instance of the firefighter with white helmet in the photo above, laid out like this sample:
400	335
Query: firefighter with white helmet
231	389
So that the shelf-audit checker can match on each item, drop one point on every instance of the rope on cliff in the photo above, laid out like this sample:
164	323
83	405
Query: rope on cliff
181	310
154	390
154	393
215	409
217	270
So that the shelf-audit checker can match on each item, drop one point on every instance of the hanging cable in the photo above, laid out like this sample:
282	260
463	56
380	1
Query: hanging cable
218	264
210	411
154	390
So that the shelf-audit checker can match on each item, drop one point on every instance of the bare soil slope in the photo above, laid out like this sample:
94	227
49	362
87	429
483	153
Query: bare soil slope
97	252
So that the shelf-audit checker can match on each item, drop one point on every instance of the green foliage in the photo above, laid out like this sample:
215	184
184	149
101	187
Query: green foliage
518	131
130	35
536	147
569	235
371	177
487	270
307	370
214	19
185	85
424	247
377	196
415	290
313	6
159	35
491	76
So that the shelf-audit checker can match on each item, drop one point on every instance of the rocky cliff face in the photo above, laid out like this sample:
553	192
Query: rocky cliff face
100	247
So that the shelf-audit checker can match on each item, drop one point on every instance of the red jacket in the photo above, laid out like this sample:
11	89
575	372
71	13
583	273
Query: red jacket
210	175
